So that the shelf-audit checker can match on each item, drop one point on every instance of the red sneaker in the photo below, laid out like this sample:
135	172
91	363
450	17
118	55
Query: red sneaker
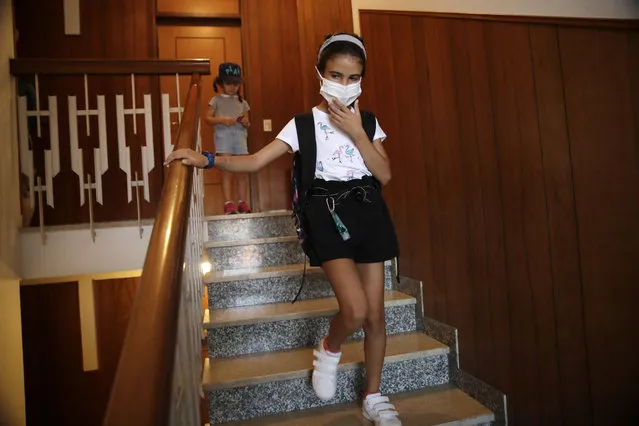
229	208
242	207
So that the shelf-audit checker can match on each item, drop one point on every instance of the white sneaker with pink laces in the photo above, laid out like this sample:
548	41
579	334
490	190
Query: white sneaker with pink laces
325	372
377	408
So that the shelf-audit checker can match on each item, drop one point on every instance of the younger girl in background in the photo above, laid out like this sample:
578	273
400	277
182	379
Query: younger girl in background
228	113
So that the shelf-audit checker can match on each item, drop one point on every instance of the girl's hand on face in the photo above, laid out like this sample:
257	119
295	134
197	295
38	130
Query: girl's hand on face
350	122
188	157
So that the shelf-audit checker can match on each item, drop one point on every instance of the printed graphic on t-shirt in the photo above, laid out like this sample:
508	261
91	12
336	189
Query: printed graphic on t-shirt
337	156
341	158
326	129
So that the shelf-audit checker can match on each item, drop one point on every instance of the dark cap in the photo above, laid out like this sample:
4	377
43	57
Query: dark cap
230	73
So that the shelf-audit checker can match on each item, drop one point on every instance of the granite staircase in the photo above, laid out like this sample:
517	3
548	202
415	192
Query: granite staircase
260	344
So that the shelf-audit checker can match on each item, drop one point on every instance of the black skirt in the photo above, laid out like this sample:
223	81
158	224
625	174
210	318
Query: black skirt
360	228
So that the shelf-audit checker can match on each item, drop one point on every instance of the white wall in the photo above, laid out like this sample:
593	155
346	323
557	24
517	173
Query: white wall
609	9
70	250
12	402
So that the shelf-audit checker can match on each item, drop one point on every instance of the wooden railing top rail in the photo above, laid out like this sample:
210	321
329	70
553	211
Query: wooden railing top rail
141	392
26	66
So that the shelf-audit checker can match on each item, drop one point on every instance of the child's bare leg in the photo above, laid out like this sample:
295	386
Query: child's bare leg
353	310
372	276
227	182
242	187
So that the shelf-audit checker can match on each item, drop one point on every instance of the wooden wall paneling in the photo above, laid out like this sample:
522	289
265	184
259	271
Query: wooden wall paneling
113	303
273	87
406	145
573	390
537	238
596	77
491	290
389	119
118	29
509	64
251	59
452	200
57	390
476	316
432	273
195	8
403	205
315	21
451	218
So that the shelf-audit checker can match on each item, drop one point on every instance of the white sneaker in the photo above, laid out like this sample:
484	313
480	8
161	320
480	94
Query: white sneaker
377	409
325	372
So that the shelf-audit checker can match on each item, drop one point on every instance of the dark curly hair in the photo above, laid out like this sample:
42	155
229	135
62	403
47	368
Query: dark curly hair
341	48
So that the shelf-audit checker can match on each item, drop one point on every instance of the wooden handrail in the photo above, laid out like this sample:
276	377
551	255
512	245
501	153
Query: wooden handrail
26	66
141	392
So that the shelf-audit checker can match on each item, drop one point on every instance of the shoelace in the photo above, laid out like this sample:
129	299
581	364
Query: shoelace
325	365
382	407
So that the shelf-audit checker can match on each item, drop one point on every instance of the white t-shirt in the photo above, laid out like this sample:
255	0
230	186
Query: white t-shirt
337	156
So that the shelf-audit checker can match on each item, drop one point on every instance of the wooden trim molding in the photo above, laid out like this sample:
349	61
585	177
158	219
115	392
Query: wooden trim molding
93	277
542	20
87	325
226	16
109	66
552	13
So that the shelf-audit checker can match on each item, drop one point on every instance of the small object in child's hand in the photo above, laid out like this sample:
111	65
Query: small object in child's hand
240	118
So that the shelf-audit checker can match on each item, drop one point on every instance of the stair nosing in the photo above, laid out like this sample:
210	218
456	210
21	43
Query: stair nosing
250	242
476	420
403	301
220	218
440	349
259	273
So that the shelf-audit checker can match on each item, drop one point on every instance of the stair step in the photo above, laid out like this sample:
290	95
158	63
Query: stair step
284	365
443	405
281	326
286	311
254	253
259	273
418	363
236	288
250	226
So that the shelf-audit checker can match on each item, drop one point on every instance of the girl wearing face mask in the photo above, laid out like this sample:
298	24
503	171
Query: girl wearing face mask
349	229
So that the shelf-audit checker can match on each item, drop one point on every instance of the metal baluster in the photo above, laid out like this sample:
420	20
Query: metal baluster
43	235
91	223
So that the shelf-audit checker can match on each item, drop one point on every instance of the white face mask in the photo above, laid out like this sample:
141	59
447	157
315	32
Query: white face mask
345	94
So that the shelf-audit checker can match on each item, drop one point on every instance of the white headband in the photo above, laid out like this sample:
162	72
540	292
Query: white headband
341	37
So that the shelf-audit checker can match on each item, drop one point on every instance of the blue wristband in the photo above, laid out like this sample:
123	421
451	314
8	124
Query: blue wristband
211	158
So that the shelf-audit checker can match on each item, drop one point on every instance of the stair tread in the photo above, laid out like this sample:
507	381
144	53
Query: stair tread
254	241
275	366
283	311
442	406
274	213
259	273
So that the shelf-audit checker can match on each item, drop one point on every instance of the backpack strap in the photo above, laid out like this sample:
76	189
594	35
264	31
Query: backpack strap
369	123
305	124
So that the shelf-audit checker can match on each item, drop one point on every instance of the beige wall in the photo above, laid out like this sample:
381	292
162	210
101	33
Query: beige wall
12	404
610	9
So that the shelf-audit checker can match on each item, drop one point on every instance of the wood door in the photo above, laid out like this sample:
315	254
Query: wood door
219	44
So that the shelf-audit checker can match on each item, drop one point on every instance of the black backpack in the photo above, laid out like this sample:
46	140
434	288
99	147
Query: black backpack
303	173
